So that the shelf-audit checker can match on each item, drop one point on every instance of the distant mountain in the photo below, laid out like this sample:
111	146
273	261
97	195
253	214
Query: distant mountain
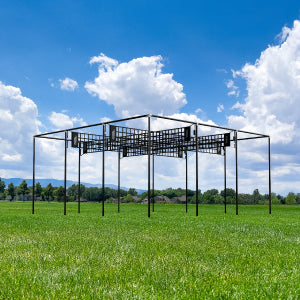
56	183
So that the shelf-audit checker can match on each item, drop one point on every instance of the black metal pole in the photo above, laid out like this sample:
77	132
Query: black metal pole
79	154
65	174
33	176
225	185
103	170
149	150
153	182
270	194
119	162
197	200
236	176
186	182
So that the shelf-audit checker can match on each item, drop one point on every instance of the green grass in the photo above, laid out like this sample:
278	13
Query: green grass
172	255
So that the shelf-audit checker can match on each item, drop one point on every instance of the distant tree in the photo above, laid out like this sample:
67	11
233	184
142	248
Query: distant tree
229	193
298	198
208	197
59	194
11	190
48	192
23	189
193	199
274	199
73	190
245	199
2	186
256	197
128	198
132	192
281	199
92	194
38	189
219	199
291	198
170	193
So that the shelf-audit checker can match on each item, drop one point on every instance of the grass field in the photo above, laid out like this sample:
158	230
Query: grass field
172	255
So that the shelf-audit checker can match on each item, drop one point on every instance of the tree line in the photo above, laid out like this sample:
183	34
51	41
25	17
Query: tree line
23	192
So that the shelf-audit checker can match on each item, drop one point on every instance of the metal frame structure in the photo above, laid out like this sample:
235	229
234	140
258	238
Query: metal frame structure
127	142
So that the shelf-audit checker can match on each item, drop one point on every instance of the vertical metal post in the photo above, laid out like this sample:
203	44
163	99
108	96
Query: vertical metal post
65	174
79	154
225	185
153	182
197	200
270	194
149	150
103	169
119	162
236	175
186	182
33	176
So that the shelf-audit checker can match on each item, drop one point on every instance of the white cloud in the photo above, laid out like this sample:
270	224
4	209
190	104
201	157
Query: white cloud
18	120
105	119
13	158
234	90
220	108
136	87
272	105
68	84
63	121
273	84
198	110
104	61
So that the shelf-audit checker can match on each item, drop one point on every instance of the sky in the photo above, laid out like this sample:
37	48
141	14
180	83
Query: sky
230	63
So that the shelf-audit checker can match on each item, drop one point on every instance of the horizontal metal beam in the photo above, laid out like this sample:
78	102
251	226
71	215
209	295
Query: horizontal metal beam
92	125
208	125
253	138
52	138
173	119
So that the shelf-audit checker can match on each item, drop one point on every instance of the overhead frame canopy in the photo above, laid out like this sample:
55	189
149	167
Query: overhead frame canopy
136	142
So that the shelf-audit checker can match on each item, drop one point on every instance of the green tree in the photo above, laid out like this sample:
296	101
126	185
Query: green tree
298	198
219	199
23	189
229	193
38	189
48	192
132	192
274	199
200	198
2	186
11	190
128	198
256	197
59	194
291	198
72	191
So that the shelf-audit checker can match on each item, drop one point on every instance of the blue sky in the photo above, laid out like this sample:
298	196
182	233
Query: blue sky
44	43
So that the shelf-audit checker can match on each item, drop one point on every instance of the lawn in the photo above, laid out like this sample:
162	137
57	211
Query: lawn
172	255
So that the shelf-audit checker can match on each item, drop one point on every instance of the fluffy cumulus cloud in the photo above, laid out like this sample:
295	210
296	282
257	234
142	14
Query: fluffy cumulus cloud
273	84
19	122
68	84
272	105
63	121
136	87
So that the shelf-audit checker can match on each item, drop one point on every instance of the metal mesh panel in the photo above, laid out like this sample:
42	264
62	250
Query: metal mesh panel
134	142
